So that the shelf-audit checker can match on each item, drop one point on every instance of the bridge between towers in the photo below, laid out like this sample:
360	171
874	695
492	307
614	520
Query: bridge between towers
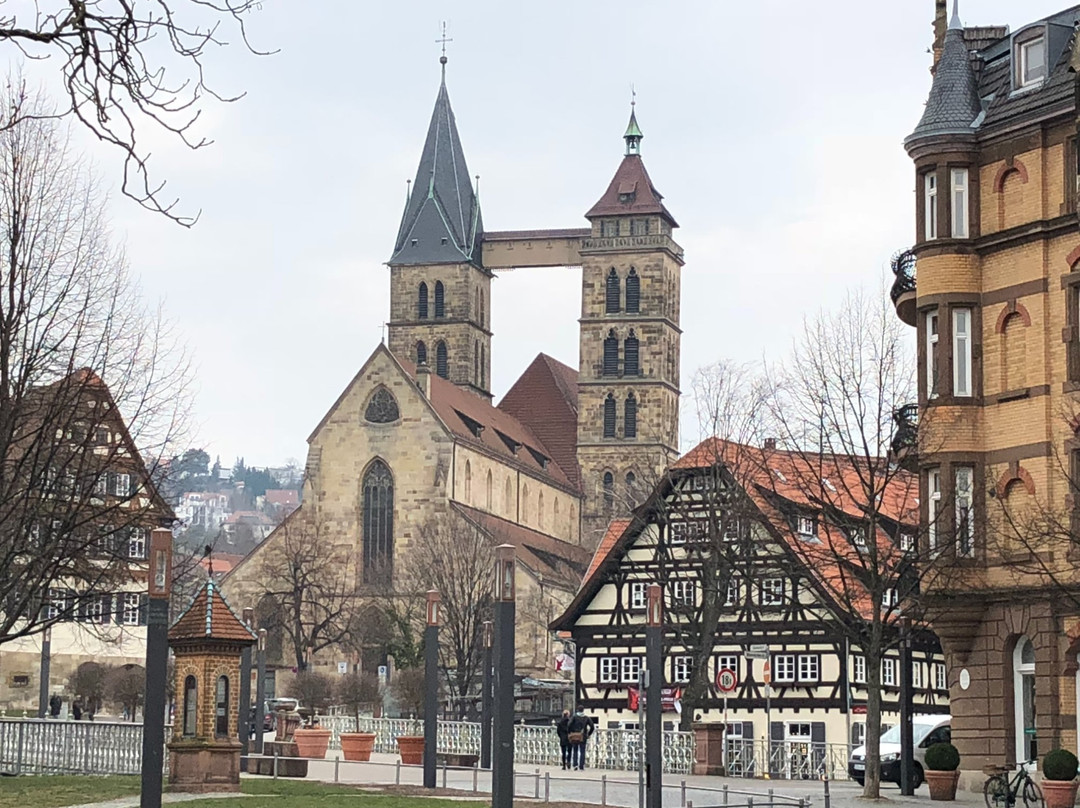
518	249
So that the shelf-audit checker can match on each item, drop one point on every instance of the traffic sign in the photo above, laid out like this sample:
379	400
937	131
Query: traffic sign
766	675
726	680
757	652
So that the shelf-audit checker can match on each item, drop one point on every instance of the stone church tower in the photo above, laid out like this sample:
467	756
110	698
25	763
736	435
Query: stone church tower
440	294
628	379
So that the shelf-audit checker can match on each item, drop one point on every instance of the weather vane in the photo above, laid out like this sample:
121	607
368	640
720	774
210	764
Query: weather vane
633	95
442	41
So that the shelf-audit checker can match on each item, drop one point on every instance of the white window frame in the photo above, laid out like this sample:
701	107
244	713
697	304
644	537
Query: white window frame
137	543
933	361
730	528
1025	68
734	590
683	593
809	668
56	605
858	536
858	669
677	533
964	479
930	205
681	668
907	542
130	609
121	485
607	670
772	592
916	675
630	669
806	527
93	610
639	595
958	185
783	668
962	370
941	681
890	598
933	506
889	677
728	661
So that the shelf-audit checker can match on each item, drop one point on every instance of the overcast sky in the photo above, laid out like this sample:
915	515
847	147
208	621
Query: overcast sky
772	127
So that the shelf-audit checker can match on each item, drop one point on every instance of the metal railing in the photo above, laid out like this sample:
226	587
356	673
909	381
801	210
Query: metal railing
788	760
36	746
903	268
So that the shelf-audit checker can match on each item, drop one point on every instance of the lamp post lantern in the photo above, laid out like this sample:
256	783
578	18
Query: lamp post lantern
488	631
654	666
502	770
431	686
159	587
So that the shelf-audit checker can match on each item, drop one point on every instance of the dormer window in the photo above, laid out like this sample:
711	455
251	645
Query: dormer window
1031	61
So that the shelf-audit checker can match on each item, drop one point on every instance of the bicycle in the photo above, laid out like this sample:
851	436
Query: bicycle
1000	792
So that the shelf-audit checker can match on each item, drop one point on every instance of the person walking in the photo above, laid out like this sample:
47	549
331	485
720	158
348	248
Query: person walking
581	727
76	710
562	729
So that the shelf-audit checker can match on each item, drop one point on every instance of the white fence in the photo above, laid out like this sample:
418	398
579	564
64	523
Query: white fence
789	760
35	746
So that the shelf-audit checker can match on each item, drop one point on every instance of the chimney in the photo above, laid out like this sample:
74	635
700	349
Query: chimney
770	444
423	379
941	25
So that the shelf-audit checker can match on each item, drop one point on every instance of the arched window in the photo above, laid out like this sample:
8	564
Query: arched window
611	297
609	416
509	498
221	708
378	492
421	353
440	308
540	511
631	485
630	417
609	491
482	312
611	354
633	292
630	355
1024	700
555	515
477	304
488	501
483	369
525	503
468	483
381	408
442	364
421	302
191	706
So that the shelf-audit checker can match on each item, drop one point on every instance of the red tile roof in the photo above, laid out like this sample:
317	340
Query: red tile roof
209	617
631	182
222	563
544	399
282	496
614	531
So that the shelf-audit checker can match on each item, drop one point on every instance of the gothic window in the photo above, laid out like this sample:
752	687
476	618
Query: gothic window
442	366
476	361
509	497
478	305
630	355
487	491
633	292
483	368
631	480
609	492
525	503
481	308
221	708
468	483
611	298
381	408
555	515
191	706
440	308
421	353
378	521
540	511
630	417
611	354
609	416
421	302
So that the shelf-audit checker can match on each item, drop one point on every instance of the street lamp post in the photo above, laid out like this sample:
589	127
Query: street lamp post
243	722
44	674
431	686
485	699
907	738
159	587
260	687
502	770
654	667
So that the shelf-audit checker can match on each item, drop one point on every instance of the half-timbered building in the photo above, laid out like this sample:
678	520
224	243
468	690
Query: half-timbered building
776	612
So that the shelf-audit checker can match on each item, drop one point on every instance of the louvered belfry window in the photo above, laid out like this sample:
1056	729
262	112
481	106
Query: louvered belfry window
630	355
440	308
630	417
612	294
442	365
421	353
633	292
611	354
378	521
609	416
421	302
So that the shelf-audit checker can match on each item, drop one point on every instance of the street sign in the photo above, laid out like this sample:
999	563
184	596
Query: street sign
766	675
757	652
726	680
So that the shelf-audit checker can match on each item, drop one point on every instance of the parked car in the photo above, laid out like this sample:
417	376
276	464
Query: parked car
926	730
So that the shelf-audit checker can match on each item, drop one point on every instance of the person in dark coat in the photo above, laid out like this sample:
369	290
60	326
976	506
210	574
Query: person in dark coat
581	727
55	703
562	728
76	710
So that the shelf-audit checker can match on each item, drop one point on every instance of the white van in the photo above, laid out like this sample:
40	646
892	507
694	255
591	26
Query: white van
926	731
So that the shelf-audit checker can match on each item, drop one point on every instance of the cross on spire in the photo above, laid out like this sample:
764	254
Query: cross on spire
442	41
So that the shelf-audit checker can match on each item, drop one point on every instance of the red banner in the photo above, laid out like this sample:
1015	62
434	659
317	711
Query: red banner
668	697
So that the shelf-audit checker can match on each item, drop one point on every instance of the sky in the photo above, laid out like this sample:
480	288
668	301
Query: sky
773	128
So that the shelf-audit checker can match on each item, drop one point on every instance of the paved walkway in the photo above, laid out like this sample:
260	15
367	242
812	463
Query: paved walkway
133	802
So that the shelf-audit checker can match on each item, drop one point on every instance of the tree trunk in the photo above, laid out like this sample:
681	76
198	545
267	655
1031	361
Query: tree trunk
872	783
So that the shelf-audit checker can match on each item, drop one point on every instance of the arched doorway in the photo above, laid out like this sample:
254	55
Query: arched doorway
1024	700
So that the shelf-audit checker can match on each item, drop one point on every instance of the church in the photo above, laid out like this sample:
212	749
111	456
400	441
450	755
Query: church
416	435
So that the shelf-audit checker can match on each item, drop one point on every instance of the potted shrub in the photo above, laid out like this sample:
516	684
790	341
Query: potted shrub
408	689
313	691
356	691
942	775
1059	778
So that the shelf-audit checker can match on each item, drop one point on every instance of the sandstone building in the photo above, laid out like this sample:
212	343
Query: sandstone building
416	436
996	310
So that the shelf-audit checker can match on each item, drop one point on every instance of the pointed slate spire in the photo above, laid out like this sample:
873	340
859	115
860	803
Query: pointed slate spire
633	134
441	223
954	97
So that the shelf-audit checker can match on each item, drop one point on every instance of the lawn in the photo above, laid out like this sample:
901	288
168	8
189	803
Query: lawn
54	792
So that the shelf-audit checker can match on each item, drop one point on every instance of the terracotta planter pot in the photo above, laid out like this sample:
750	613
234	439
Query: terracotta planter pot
357	745
312	743
942	784
411	749
1059	793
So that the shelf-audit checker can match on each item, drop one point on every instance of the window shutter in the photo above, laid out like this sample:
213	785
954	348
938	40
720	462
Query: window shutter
630	355
611	354
817	732
421	304
611	298
118	613
144	605
609	416
633	292
440	308
421	353
111	484
630	417
442	365
748	730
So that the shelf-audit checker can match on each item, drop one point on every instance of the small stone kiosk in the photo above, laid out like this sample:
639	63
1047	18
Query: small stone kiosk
204	754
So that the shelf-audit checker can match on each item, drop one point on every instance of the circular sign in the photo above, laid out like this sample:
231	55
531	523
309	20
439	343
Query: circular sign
766	674
726	680
965	679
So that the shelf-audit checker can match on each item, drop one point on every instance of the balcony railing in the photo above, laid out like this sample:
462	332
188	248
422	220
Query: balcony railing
903	288
906	438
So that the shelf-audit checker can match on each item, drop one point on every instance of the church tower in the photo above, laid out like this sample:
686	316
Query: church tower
628	383
440	294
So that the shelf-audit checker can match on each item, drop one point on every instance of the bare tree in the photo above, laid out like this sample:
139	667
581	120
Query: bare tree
90	386
307	586
124	62
125	685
